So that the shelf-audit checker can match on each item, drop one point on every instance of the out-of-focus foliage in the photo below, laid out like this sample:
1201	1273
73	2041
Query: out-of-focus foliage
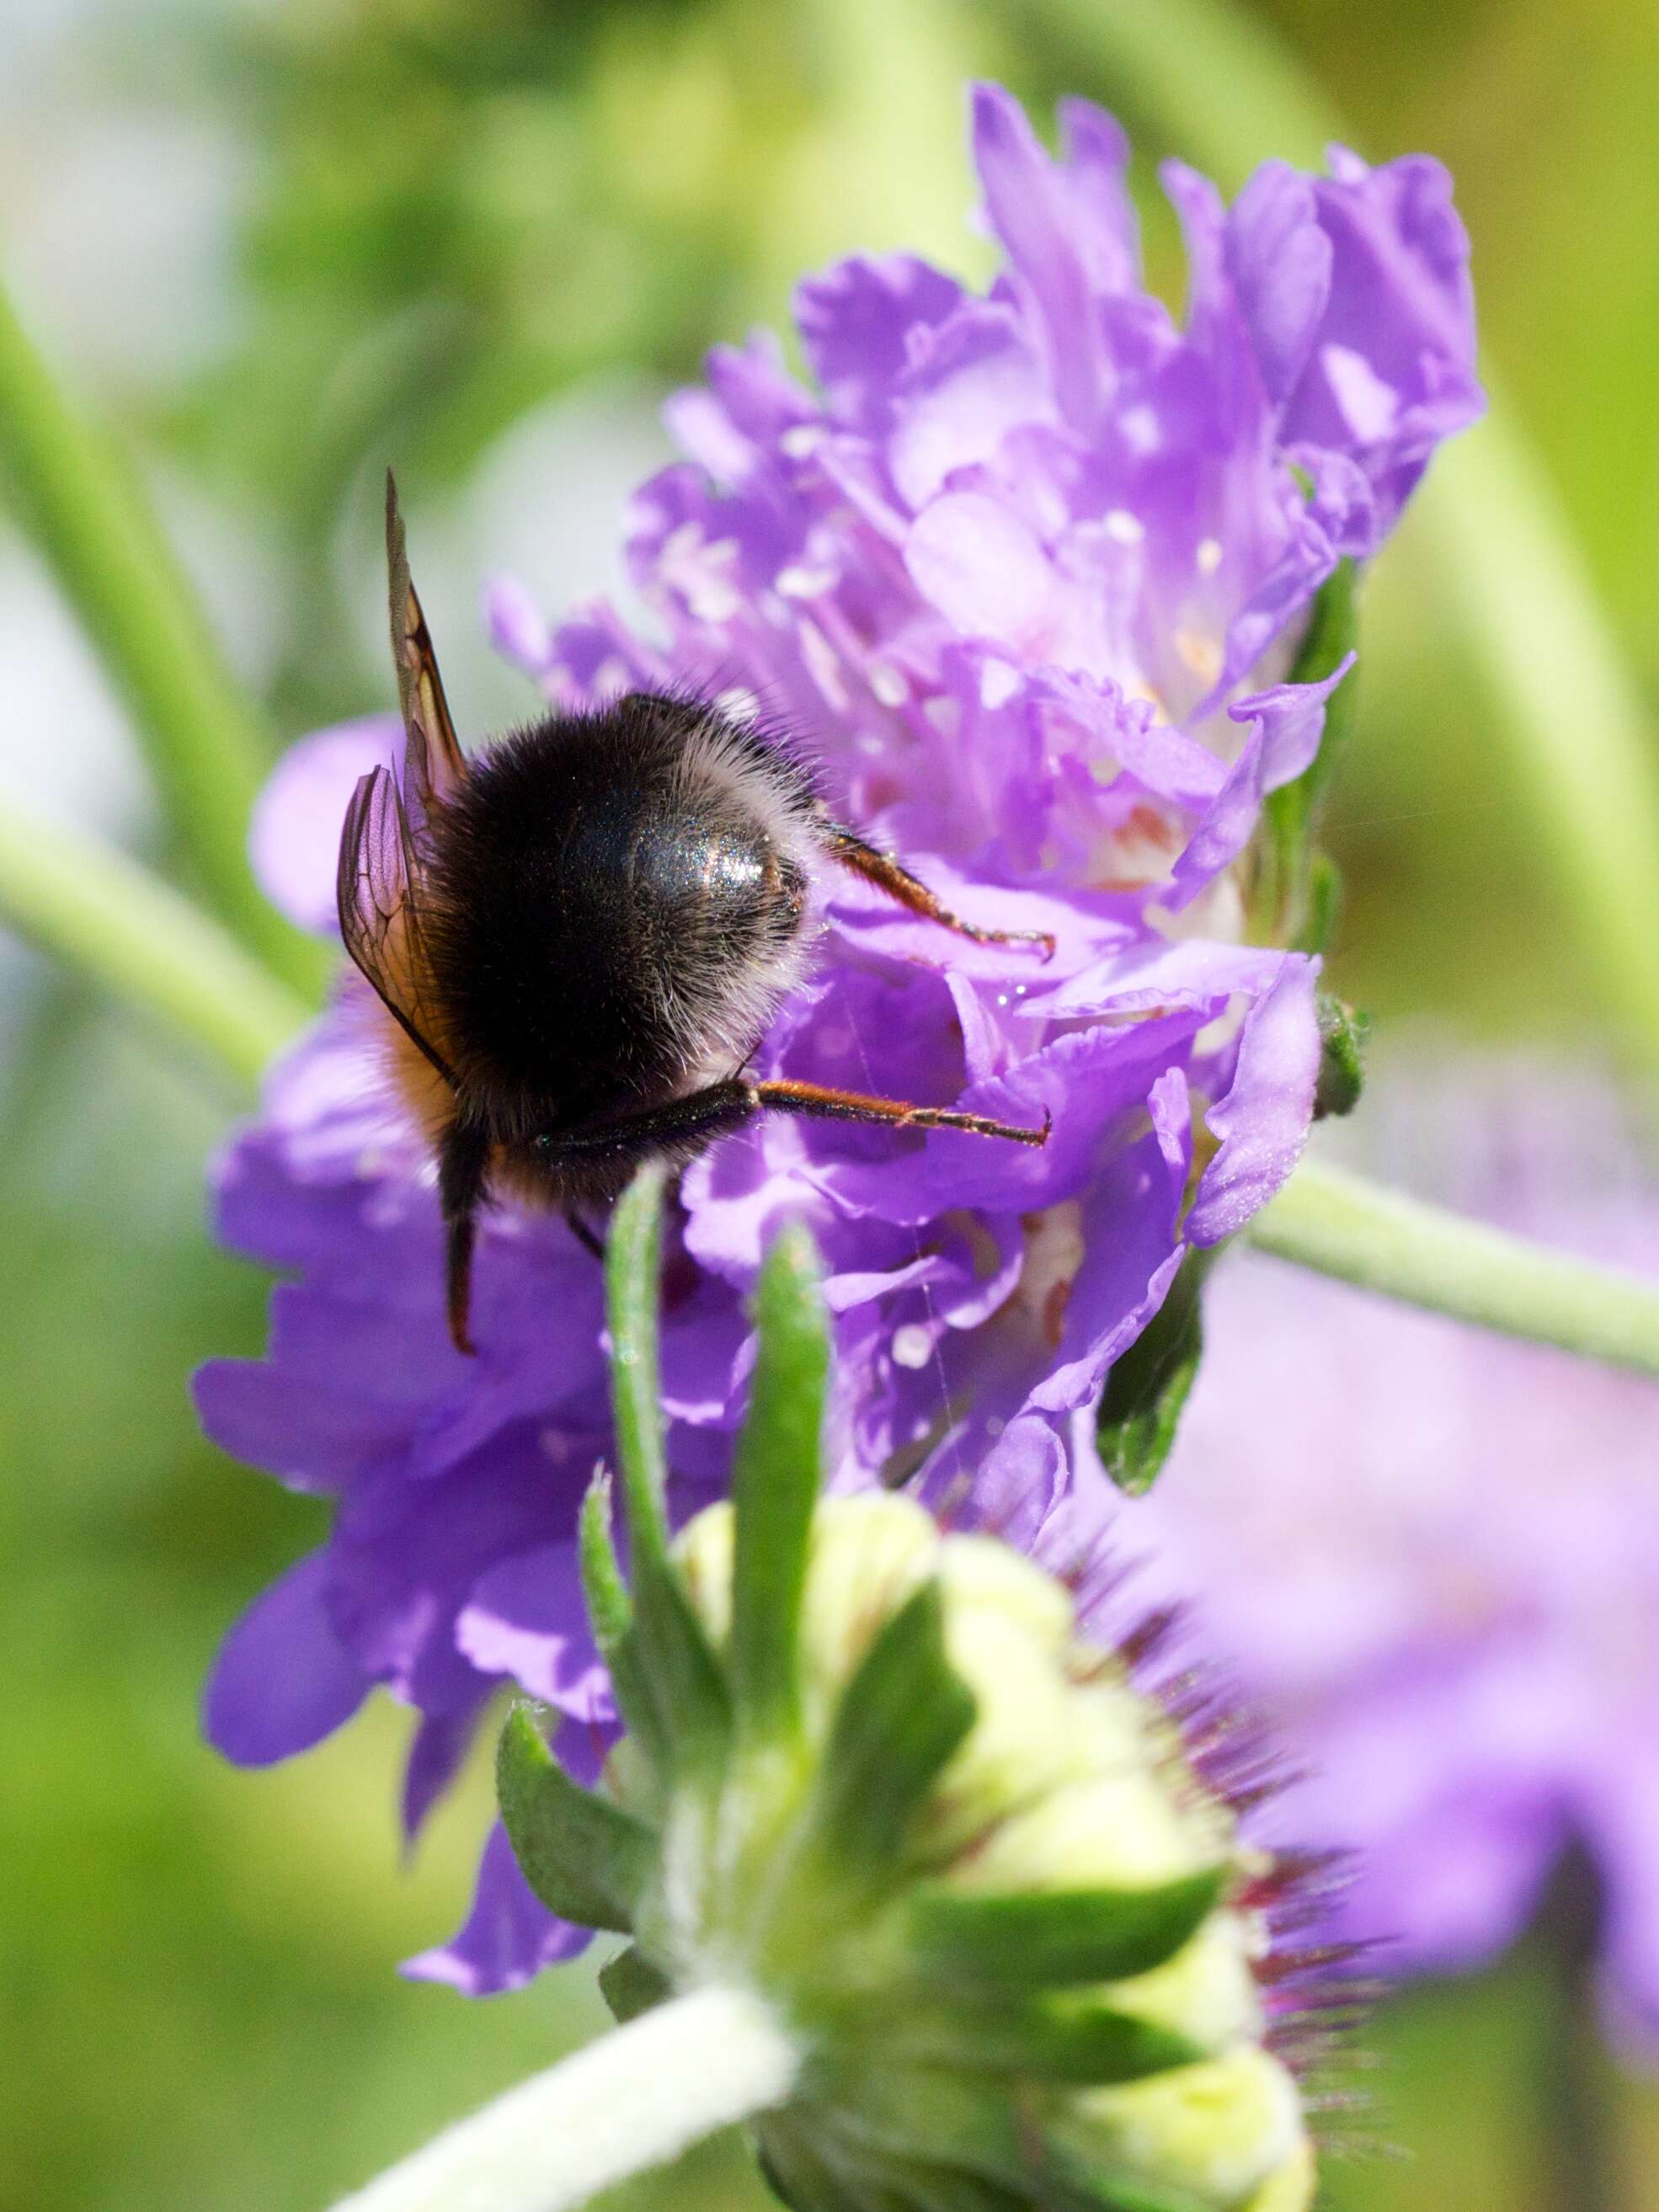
449	212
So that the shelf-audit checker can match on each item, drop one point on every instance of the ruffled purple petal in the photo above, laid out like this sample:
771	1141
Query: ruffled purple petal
283	1679
507	1938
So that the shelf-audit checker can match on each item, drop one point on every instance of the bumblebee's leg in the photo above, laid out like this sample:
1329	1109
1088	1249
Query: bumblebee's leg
879	868
854	1106
707	1114
463	1158
702	1116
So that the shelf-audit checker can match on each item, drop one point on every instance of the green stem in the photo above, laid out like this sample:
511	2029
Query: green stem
104	915
207	749
1224	89
1344	1226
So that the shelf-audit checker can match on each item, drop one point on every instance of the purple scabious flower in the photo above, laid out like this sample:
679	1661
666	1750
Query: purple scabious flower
1025	577
1432	1553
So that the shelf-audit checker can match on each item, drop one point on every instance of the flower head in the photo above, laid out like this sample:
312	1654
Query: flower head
1434	1554
874	1777
1026	576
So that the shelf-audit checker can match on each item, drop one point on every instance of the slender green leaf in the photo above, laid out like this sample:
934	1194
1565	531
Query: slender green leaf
633	1263
677	1666
586	1859
610	1616
1146	1390
1049	1939
776	1488
609	1608
899	1718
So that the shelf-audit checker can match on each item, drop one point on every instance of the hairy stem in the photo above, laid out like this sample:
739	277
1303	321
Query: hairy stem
103	916
1342	1225
206	748
638	2096
1227	92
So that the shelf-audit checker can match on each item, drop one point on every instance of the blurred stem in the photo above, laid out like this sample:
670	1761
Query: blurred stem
637	2096
1576	2150
1342	1225
107	918
1229	92
83	508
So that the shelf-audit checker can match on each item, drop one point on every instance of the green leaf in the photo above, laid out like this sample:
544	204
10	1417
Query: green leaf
630	1985
667	1650
899	1719
776	1488
1343	1033
610	1616
632	1262
1032	1939
586	1859
959	2123
609	1608
1141	1405
1290	903
1052	2038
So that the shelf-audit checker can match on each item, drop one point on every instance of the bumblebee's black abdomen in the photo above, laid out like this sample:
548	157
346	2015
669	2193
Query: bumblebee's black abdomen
609	888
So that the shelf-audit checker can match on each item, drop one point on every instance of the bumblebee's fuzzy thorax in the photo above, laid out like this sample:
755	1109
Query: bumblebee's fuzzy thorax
616	905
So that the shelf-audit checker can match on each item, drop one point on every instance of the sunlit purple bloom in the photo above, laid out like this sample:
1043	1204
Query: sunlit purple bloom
1025	577
1434	1553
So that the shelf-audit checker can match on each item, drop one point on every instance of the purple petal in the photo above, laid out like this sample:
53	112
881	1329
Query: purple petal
283	1679
526	1618
1286	725
1262	1121
509	1936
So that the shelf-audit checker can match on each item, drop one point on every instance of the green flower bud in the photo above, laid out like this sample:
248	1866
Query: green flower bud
874	1775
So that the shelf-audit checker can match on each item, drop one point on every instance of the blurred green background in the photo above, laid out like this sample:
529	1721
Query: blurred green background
278	244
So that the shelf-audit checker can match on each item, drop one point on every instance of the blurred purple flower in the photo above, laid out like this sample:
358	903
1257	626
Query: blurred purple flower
1026	579
1434	1553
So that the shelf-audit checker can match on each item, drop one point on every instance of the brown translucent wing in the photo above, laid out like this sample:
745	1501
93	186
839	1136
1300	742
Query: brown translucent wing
378	891
435	767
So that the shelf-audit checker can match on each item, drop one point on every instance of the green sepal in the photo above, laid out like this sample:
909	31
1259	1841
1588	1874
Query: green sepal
1054	2037
667	1649
609	1608
1285	905
633	1265
630	1985
1048	1939
959	2123
899	1719
586	1859
775	1489
610	1616
1344	1032
1147	1387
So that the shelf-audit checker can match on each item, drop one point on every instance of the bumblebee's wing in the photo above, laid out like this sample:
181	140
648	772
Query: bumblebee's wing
434	765
377	887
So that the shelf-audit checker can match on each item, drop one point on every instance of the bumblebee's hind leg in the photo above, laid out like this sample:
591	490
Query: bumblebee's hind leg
882	870
682	1126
